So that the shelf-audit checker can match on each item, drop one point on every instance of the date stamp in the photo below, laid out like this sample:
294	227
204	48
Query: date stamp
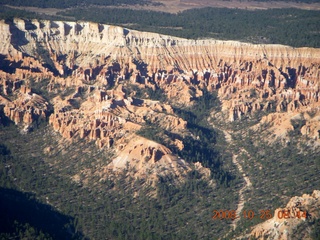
263	214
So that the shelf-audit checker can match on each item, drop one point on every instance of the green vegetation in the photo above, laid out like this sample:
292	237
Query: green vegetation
204	146
147	93
292	27
315	234
71	3
10	13
40	198
23	217
76	3
98	207
277	170
207	146
37	171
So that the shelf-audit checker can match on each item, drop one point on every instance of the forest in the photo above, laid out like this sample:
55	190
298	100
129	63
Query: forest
71	3
38	199
33	183
76	3
107	210
293	27
111	208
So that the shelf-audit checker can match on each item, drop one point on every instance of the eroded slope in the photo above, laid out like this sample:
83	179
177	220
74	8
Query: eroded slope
103	84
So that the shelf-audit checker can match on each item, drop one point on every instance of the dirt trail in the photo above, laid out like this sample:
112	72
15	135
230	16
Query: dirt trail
247	185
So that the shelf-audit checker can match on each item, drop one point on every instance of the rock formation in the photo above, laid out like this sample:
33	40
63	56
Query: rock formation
88	70
28	107
147	158
299	210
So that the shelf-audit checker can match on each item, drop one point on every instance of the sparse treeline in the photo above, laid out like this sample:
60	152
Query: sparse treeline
71	3
276	169
105	210
109	208
205	144
292	27
75	3
100	208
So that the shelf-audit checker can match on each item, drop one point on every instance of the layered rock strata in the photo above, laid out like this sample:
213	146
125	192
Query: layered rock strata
86	69
148	159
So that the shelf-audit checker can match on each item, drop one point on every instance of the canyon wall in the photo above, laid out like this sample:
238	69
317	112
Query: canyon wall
85	69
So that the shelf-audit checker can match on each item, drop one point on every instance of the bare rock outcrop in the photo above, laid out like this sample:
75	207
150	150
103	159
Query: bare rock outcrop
27	108
87	70
93	52
147	158
285	220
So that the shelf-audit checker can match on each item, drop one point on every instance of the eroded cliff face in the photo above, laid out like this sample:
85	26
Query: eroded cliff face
285	222
86	69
